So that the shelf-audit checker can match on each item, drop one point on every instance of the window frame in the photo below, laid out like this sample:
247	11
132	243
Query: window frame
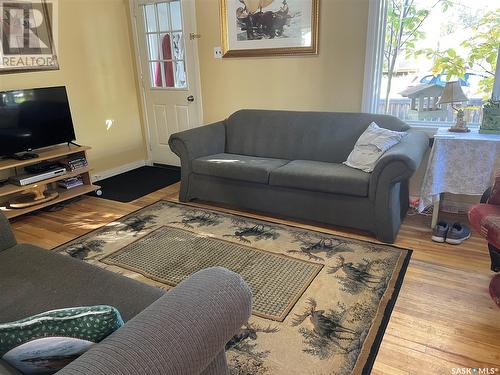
375	39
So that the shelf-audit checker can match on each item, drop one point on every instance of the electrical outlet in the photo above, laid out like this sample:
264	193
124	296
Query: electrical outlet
218	52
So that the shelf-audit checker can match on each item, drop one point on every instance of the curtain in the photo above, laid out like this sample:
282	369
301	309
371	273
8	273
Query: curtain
168	66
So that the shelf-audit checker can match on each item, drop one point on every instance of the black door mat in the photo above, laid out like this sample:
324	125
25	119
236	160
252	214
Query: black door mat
139	182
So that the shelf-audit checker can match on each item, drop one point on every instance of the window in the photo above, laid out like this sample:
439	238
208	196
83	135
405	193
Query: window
414	47
165	43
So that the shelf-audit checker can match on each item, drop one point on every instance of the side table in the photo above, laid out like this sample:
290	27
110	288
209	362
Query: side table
459	163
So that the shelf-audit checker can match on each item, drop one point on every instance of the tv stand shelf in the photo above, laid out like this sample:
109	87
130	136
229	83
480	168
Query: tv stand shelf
57	153
44	154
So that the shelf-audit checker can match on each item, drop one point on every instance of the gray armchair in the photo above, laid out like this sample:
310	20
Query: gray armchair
182	331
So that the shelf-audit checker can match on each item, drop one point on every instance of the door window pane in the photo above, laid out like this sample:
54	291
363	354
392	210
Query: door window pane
180	75
175	12
156	74
177	46
163	16
150	17
168	68
153	47
165	47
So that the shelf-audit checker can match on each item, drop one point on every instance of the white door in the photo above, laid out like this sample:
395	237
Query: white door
166	48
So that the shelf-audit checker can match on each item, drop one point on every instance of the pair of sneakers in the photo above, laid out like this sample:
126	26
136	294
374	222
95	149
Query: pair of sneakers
453	234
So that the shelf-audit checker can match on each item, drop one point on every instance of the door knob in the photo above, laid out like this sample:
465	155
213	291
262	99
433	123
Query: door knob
190	98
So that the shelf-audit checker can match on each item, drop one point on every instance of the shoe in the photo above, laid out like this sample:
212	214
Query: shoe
439	231
457	234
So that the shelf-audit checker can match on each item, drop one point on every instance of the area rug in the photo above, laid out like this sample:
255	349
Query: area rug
329	321
170	255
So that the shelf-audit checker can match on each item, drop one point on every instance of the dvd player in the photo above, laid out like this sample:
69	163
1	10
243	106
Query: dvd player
27	179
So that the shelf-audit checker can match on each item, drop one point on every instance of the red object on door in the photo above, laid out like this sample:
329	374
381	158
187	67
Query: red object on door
168	66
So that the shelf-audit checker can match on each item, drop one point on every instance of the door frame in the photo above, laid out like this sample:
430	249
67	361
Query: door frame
142	74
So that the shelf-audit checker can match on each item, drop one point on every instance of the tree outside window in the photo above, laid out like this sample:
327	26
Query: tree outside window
430	42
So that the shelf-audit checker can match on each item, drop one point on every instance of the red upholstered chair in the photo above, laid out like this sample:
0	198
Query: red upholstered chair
485	218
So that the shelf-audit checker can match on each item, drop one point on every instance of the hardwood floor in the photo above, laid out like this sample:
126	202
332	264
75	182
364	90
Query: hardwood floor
443	318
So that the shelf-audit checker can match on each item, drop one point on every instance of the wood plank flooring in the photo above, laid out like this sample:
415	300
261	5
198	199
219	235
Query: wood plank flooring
443	319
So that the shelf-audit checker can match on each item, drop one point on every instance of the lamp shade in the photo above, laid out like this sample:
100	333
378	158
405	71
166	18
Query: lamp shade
452	93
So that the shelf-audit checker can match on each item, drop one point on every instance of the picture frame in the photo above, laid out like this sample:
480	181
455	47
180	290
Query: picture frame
254	28
491	117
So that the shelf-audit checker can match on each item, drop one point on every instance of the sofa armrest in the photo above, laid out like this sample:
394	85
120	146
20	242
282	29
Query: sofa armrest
180	333
203	141
7	238
194	143
400	162
494	196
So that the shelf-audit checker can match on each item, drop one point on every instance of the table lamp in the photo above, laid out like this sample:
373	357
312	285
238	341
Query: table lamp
453	93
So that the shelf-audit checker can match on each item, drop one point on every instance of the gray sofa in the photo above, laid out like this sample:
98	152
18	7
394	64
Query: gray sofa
183	331
290	164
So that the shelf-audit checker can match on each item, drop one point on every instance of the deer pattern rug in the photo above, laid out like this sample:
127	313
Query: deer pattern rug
337	322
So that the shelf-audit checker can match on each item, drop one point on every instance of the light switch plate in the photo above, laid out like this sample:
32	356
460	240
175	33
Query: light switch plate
218	52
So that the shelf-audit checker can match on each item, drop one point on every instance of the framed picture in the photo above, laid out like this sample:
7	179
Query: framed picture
269	27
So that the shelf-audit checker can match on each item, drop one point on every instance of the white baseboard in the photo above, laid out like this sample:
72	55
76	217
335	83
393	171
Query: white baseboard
121	169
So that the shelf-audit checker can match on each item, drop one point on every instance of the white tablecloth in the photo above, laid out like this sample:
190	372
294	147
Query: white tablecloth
460	163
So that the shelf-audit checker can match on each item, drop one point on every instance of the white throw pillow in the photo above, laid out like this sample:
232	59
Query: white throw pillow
371	145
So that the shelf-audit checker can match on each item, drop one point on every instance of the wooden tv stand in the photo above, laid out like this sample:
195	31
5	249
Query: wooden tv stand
9	191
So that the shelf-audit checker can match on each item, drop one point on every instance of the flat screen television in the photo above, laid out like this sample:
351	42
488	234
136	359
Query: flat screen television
34	118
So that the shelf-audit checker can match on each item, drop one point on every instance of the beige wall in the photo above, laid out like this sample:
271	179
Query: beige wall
330	81
97	66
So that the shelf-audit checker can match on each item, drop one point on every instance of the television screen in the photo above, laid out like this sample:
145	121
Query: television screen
34	118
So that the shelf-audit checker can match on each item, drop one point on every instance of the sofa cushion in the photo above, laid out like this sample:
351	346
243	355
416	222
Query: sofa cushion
320	176
33	280
237	167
